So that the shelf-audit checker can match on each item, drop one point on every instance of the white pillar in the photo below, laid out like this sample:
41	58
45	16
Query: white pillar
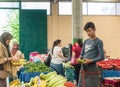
77	19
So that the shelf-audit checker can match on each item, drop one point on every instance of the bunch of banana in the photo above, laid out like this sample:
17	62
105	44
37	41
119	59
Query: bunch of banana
36	82
42	83
27	85
15	83
20	62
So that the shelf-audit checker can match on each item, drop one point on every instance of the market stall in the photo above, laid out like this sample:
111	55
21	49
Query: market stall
35	73
44	80
110	69
32	69
112	81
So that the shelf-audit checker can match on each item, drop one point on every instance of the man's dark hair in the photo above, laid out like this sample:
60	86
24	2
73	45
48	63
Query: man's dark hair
89	25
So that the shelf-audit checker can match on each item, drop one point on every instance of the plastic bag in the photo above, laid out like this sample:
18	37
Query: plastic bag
73	61
70	74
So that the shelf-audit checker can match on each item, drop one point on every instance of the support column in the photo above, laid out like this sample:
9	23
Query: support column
77	19
54	21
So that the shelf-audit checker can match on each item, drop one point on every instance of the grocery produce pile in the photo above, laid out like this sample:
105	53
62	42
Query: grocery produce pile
110	63
36	67
51	79
47	80
44	80
67	65
15	83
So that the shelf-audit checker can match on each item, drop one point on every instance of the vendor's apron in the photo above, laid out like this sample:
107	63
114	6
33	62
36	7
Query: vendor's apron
89	79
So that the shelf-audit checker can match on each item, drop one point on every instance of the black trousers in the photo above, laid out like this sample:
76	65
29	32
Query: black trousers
77	70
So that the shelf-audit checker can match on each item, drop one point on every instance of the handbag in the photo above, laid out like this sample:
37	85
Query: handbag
47	61
3	74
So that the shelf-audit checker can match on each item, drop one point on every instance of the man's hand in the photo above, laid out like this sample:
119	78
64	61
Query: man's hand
87	61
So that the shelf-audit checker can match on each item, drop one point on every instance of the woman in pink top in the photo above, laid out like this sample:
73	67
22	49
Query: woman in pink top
76	50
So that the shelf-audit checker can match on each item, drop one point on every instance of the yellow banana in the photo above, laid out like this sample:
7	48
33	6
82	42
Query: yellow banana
15	82
42	83
22	60
36	80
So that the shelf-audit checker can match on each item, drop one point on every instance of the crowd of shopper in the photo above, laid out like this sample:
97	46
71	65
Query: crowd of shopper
87	73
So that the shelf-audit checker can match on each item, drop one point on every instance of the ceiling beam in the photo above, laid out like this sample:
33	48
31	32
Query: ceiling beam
101	0
59	0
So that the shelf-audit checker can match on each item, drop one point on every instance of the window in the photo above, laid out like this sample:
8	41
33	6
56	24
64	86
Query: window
84	8
65	8
9	21
9	4
36	5
101	8
118	8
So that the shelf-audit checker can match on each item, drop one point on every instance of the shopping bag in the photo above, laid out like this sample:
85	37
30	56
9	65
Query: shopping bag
47	61
70	74
73	61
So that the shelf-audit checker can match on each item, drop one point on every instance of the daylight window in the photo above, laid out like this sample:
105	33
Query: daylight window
118	8
65	8
9	4
101	8
36	5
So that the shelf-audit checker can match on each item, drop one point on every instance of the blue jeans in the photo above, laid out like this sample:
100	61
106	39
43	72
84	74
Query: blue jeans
58	68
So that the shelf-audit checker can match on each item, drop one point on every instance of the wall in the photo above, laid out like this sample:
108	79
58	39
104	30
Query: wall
108	28
59	27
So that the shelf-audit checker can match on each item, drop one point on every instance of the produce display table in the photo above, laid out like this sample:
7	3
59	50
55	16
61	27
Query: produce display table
25	77
110	73
109	67
111	82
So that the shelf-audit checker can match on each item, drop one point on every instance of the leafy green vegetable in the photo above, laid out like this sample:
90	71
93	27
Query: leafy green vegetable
36	67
